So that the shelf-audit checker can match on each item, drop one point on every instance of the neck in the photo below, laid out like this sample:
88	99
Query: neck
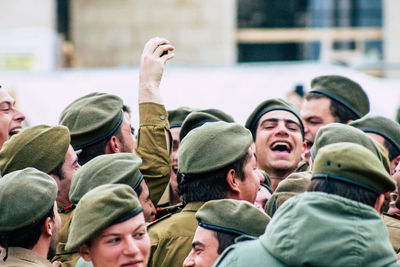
277	176
42	246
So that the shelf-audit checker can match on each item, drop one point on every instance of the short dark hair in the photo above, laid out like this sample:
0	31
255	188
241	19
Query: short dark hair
99	148
344	189
393	151
338	110
28	236
210	185
58	170
224	239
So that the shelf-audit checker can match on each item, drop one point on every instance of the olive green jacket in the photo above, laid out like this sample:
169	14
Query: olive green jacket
152	148
23	257
393	226
317	229
171	237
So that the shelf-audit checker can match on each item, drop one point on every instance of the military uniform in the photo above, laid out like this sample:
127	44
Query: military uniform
171	237
20	257
393	226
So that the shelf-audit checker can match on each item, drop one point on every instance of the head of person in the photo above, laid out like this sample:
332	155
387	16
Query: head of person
99	123
46	148
352	171
117	168
384	131
263	195
10	117
278	134
29	217
220	223
108	228
332	98
217	161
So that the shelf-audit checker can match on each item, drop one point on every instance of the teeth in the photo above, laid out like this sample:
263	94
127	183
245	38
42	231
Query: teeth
280	144
14	131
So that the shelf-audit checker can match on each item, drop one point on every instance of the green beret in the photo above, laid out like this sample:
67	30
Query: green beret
25	196
338	133
385	127
222	116
296	183
177	116
232	216
195	120
117	168
212	147
42	147
92	118
343	90
352	163
271	105
100	208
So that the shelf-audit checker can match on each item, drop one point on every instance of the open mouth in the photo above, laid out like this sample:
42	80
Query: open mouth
281	147
14	132
175	170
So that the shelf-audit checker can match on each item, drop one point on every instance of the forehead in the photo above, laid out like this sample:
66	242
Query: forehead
5	96
205	236
279	115
316	107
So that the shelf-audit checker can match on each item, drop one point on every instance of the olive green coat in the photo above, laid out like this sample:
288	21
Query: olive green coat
23	257
171	237
393	226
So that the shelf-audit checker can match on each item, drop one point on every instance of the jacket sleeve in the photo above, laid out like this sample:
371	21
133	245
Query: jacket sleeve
152	148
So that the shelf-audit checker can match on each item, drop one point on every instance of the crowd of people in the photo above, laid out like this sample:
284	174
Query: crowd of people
312	184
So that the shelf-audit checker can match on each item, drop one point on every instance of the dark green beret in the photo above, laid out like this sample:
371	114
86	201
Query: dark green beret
25	197
385	127
343	90
232	216
195	120
92	118
212	147
117	168
100	208
296	183
352	163
338	133
42	147
177	116
222	116
271	105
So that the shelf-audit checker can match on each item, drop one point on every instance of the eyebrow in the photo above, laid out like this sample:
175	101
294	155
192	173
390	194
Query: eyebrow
118	234
276	120
197	243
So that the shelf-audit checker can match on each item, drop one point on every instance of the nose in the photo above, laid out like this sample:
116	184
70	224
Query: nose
189	261
130	247
152	208
19	116
281	128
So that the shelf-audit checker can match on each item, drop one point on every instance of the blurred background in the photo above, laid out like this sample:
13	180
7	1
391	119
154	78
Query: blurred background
230	54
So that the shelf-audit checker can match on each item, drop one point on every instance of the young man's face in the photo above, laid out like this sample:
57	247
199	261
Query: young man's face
279	142
148	207
250	184
128	140
204	249
315	113
10	118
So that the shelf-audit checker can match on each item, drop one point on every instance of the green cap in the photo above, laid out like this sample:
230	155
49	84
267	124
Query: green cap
92	118
177	116
338	133
385	127
296	183
343	90
100	208
117	168
212	147
232	216
25	196
42	147
222	116
352	163
271	105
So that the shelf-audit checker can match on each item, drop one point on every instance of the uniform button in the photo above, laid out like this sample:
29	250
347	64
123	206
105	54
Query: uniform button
162	117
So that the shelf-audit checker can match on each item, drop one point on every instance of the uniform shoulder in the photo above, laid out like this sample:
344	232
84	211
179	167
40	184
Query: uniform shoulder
156	222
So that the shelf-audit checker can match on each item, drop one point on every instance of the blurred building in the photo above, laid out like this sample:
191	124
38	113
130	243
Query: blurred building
363	34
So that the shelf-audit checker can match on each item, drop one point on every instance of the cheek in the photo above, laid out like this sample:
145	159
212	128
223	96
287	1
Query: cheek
144	247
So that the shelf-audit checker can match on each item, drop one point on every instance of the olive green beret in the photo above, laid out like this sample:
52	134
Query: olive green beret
385	127
222	116
42	147
271	105
100	208
338	133
25	196
212	147
352	163
296	183
195	120
233	216
177	116
92	118
117	168
343	90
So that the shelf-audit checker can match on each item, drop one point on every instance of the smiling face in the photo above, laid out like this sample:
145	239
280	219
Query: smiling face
10	118
279	143
122	244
